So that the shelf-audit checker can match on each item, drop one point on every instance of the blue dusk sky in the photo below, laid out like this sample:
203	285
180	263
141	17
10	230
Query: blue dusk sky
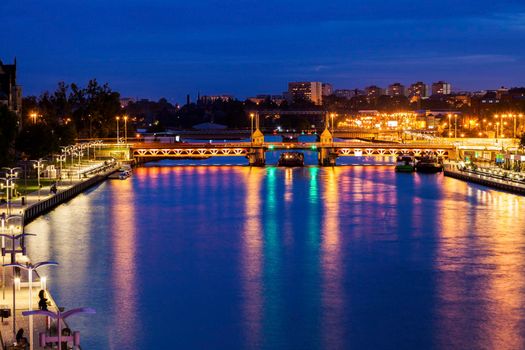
154	48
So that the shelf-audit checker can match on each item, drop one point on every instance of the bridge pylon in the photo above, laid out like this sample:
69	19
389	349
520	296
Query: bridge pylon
257	154
327	155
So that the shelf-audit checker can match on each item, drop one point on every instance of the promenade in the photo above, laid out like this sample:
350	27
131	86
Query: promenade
30	206
507	180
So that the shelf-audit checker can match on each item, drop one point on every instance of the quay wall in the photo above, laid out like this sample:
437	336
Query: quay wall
35	210
507	186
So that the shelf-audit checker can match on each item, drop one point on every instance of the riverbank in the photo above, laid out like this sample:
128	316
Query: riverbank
36	203
508	181
30	207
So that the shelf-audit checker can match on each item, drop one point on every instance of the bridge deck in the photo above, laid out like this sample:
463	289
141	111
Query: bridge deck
205	150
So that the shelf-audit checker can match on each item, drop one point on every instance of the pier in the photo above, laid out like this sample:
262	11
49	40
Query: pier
494	178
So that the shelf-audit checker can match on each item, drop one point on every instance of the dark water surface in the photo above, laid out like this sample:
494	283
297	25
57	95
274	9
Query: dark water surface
232	257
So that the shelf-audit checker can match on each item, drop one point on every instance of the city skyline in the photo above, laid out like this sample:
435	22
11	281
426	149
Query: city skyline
154	50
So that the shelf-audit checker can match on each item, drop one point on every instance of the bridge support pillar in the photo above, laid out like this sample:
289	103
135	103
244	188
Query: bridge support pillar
257	156
327	156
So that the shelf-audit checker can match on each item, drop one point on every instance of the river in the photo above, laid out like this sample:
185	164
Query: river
233	257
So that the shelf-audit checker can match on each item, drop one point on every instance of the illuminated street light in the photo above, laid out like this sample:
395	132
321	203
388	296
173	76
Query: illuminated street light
455	126
117	118
38	165
9	178
61	158
252	115
126	129
449	124
30	267
13	251
33	116
60	317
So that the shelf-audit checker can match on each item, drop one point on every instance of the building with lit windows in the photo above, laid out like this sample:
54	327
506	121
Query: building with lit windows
418	89
327	89
374	91
441	88
305	91
395	89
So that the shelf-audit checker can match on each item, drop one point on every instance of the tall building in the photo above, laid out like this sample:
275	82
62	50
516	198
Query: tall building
345	93
327	89
441	88
309	91
10	93
396	89
418	89
374	91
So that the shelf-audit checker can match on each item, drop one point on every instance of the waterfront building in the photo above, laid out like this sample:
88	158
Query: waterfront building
344	93
309	91
327	89
277	99
10	92
374	91
396	89
418	89
441	88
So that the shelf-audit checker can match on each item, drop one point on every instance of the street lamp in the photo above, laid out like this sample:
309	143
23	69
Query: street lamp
449	124
9	177
126	129
251	124
455	126
332	115
33	116
13	251
30	267
59	316
117	118
38	165
61	158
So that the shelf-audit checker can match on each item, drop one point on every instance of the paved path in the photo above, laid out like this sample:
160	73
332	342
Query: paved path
7	337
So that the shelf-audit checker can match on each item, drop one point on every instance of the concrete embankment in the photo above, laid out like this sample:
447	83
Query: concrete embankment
486	180
33	211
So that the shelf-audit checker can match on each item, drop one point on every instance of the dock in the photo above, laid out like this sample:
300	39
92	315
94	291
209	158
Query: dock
503	180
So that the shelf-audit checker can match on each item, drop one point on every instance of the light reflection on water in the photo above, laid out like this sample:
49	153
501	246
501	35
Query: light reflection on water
247	258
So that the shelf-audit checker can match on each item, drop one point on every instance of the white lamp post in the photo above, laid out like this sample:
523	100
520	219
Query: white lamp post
61	158
38	165
118	141
30	267
126	129
59	316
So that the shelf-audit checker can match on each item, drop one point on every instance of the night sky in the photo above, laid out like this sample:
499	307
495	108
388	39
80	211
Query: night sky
153	48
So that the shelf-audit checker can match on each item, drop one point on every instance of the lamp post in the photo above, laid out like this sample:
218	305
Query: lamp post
38	165
30	268
332	115
251	130
60	317
117	118
455	126
125	129
9	177
76	153
13	251
61	158
449	125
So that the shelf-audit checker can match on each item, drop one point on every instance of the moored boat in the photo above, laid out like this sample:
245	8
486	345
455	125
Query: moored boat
405	164
291	159
429	165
